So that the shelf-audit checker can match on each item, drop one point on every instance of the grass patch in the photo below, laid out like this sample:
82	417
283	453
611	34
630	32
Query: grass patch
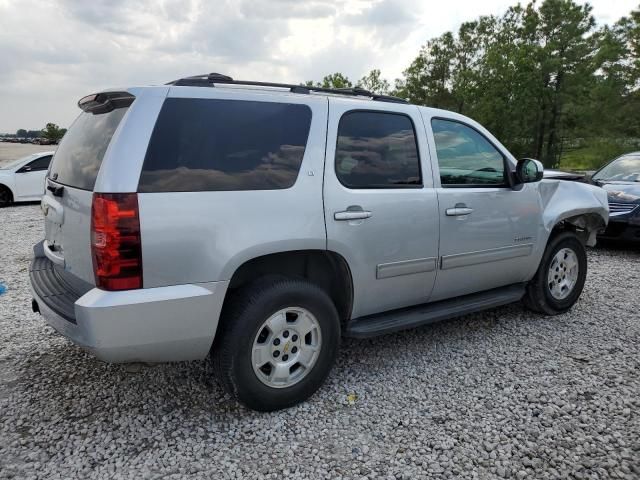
593	154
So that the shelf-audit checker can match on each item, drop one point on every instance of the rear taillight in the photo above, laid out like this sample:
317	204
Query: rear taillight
115	241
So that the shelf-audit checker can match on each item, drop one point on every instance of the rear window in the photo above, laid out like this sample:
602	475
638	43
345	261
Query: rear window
220	145
78	158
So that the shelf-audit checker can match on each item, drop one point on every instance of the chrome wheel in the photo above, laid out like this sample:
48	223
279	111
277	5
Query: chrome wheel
286	347
563	273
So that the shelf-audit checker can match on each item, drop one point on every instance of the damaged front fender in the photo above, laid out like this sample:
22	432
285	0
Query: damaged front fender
583	206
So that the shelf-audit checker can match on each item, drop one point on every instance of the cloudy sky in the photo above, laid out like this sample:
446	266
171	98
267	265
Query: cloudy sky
54	52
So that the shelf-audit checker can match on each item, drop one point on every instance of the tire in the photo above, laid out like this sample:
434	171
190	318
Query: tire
6	198
245	339
544	293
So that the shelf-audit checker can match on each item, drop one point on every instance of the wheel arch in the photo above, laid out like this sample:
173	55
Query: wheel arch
325	268
585	225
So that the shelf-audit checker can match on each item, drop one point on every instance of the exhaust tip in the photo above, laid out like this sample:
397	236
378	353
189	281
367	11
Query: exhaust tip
34	306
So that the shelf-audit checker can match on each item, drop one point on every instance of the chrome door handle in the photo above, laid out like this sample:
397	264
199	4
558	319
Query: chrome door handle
352	215
459	210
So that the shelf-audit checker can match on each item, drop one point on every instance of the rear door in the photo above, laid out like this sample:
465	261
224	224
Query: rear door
67	201
381	210
30	178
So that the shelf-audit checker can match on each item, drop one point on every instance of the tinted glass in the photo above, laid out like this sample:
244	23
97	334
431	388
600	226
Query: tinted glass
41	163
465	156
203	144
624	169
77	161
377	150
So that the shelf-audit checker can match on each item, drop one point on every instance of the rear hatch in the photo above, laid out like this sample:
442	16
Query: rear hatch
71	179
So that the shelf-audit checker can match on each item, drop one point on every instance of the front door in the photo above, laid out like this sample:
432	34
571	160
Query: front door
487	229
30	178
381	210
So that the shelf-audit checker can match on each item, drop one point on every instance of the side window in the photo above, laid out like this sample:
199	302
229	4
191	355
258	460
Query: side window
377	150
41	163
465	156
221	145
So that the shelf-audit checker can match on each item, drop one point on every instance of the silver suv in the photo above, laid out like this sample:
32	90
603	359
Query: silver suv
262	222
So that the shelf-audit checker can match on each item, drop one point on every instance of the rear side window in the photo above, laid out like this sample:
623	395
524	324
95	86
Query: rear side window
377	150
77	161
220	145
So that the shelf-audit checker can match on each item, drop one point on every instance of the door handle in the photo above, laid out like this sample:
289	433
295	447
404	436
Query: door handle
459	210
352	215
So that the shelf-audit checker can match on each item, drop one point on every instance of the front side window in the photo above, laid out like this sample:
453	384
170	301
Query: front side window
377	150
465	156
41	163
221	145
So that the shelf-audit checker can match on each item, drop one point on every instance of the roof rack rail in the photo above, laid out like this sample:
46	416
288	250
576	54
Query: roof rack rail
210	79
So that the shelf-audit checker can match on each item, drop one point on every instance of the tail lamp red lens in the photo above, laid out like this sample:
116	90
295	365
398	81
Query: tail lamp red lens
116	247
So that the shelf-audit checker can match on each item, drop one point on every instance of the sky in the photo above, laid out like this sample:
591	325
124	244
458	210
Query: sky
55	52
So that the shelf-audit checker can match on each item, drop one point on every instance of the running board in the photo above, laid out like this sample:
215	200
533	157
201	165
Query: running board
411	317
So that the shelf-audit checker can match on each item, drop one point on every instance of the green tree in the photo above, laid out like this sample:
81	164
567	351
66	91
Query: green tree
53	132
374	82
335	80
21	133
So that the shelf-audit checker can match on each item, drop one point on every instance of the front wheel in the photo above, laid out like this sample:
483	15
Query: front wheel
277	344
5	196
560	278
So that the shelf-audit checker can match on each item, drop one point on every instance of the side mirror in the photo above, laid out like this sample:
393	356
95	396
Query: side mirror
529	170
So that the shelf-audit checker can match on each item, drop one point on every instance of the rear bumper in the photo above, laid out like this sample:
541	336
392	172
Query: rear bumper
148	325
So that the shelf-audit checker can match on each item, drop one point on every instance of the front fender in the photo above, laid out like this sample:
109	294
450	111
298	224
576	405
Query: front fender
584	206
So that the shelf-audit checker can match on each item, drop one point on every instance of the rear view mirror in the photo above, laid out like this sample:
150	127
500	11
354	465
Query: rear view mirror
529	170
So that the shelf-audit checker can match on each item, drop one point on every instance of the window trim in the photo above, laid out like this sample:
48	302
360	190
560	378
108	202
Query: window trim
507	165
392	187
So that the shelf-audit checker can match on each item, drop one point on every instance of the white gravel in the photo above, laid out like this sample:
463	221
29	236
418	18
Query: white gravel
503	394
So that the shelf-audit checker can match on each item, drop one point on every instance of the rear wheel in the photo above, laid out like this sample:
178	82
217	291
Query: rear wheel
5	196
560	278
277	344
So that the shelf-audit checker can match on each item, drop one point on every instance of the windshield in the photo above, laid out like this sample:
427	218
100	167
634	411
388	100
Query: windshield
13	163
624	169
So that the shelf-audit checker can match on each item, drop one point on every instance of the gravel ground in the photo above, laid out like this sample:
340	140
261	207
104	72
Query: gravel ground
502	394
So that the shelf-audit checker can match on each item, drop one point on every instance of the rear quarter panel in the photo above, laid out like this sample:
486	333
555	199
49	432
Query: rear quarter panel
205	236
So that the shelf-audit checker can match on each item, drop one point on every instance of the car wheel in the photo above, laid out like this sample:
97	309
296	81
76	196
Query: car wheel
278	342
5	196
560	278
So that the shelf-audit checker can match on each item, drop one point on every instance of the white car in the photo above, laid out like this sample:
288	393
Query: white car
22	180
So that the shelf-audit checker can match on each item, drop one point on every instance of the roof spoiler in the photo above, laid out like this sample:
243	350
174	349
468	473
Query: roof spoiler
104	102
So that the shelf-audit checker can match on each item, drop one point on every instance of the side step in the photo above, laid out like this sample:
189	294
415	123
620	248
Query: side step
411	317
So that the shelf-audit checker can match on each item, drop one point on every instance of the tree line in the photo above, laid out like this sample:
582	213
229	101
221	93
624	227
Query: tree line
51	132
543	78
